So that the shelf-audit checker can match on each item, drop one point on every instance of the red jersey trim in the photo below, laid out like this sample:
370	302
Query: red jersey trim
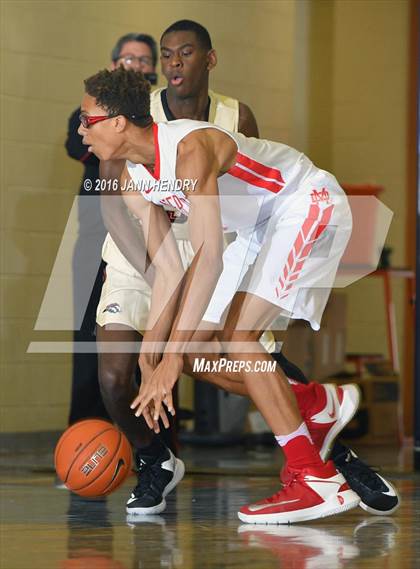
258	168
254	180
257	174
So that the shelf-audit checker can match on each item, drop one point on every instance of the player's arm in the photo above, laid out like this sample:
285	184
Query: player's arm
199	160
165	258
164	255
148	244
124	230
247	121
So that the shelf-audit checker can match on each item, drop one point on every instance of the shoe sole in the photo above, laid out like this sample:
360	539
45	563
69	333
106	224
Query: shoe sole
348	408
350	500
370	510
159	508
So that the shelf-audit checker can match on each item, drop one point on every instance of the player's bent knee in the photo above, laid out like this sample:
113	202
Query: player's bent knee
234	341
114	381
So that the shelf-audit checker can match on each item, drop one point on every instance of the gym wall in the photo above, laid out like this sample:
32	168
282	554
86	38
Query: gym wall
328	77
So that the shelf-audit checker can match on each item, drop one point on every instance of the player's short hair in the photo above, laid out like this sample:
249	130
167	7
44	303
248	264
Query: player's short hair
141	38
200	31
122	92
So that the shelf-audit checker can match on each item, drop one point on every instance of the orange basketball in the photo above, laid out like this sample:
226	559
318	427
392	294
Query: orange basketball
92	458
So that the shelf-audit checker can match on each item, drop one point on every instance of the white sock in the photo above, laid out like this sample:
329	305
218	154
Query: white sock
301	431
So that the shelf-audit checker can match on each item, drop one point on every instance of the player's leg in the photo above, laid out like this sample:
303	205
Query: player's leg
124	304
313	399
264	298
325	408
86	400
377	495
117	379
159	471
301	499
298	448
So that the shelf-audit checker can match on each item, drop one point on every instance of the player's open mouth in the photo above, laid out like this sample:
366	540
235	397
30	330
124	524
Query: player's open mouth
177	80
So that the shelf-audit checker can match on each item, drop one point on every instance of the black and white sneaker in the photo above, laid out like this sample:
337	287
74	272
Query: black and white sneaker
155	481
377	495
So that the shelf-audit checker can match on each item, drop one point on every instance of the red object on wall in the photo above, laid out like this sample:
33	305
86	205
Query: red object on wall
360	250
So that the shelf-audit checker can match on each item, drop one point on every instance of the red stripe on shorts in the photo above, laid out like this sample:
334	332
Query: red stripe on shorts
312	228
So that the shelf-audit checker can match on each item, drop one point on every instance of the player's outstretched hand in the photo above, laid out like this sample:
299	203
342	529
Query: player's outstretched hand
157	390
148	363
148	414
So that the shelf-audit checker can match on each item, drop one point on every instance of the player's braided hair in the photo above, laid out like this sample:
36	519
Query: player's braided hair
122	92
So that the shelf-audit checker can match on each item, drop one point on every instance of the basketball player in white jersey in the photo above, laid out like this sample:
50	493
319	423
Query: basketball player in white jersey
283	209
124	305
187	57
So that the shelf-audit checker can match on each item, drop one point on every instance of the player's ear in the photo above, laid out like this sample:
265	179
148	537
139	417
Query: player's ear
211	59
120	123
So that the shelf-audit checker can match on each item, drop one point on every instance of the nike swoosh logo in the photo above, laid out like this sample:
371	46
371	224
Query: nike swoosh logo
390	491
168	465
330	410
258	507
120	464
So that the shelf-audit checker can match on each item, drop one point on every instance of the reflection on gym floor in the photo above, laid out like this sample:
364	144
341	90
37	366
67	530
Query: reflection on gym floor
47	528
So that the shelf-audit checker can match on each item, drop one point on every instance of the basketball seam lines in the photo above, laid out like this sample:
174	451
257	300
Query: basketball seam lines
103	471
83	448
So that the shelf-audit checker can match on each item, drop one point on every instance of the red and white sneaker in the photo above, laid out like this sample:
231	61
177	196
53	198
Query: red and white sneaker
340	407
324	426
311	493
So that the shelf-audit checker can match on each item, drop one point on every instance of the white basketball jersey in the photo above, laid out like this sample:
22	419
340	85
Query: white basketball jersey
224	112
249	191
